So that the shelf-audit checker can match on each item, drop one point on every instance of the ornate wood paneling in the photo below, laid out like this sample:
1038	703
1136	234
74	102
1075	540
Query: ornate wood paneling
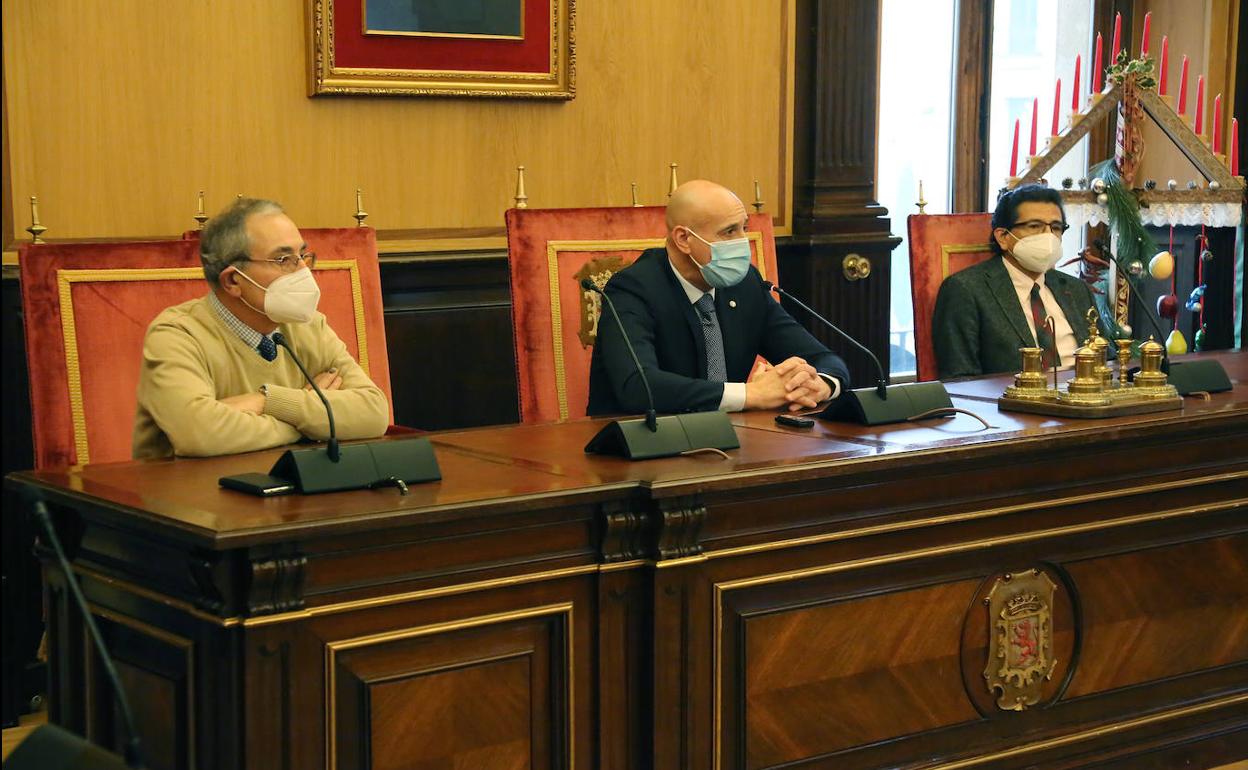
1162	613
489	691
835	598
871	669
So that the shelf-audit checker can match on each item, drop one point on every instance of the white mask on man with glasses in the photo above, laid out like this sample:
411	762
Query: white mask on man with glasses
290	298
1038	253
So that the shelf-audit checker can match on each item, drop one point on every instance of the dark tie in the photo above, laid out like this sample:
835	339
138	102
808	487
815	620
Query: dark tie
267	348
1044	340
716	368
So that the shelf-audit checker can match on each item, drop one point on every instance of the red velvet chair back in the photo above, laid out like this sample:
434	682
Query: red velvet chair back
87	308
554	319
940	245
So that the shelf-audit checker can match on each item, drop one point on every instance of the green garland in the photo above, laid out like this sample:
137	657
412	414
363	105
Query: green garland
1134	242
1143	69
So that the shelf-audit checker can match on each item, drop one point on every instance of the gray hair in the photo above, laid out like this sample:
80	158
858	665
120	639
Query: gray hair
224	239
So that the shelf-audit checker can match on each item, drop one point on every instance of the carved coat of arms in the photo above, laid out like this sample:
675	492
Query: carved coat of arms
1020	646
599	271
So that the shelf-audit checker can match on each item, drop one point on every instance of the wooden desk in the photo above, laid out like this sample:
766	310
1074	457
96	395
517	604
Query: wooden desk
817	599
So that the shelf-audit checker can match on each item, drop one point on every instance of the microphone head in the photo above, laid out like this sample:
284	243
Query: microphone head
588	285
278	338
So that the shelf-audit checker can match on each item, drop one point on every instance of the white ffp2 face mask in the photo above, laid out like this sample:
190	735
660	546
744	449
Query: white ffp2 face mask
291	298
1038	253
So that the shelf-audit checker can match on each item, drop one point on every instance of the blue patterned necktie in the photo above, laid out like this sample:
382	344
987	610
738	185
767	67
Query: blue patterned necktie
267	348
716	368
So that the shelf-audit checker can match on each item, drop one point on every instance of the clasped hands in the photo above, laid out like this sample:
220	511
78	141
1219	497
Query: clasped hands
792	384
254	402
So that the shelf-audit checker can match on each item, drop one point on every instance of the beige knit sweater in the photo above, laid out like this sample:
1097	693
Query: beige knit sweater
191	360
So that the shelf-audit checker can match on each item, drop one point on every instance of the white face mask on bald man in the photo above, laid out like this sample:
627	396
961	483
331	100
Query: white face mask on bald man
290	298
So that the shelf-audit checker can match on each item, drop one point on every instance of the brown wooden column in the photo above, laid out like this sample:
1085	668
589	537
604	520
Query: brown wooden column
835	213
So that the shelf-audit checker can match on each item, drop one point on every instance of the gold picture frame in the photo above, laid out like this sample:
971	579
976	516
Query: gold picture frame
343	60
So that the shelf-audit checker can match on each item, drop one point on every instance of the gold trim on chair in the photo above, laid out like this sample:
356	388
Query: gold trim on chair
65	280
958	248
554	248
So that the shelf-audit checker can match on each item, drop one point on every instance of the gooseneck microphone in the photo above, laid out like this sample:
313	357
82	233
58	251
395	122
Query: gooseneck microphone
280	339
133	755
881	382
651	416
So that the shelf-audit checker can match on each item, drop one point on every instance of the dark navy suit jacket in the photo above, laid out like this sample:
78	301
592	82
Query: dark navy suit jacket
667	334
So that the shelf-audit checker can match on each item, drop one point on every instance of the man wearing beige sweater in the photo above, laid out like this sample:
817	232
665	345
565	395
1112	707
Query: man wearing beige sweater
213	380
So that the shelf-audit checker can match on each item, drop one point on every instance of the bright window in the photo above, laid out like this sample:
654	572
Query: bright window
1059	31
915	130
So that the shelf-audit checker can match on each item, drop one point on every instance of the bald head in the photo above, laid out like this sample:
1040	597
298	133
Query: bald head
700	213
700	204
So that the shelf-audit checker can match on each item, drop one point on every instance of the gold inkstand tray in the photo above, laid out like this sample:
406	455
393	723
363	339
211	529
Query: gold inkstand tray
1094	392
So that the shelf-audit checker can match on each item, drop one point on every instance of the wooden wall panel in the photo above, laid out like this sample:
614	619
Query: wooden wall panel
119	112
1140	611
905	643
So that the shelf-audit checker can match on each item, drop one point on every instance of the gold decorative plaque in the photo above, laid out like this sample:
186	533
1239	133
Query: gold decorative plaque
1020	643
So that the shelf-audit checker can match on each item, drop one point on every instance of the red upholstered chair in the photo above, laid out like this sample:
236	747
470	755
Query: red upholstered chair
940	245
554	319
87	307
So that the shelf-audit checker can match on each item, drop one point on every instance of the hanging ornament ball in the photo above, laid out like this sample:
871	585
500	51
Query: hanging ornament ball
1195	307
1192	185
1172	184
1198	342
1168	306
1136	268
1206	255
1124	331
1098	185
1083	183
1151	184
1161	265
1068	183
1102	199
1176	343
1215	185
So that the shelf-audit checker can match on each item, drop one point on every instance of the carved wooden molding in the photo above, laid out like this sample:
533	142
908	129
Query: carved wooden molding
276	582
682	523
203	569
622	529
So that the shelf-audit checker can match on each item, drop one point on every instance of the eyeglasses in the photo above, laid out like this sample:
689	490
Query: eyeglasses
288	263
1035	227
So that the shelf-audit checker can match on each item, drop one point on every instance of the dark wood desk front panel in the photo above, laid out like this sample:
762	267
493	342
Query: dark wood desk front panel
816	600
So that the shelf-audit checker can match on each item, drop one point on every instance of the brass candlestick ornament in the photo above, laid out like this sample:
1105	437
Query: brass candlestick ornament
1092	391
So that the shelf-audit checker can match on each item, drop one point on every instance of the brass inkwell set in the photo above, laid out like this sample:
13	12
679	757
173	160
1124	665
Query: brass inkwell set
1094	391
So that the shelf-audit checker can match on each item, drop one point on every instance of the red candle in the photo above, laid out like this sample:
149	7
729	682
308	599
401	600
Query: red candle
1148	20
1117	37
1057	106
1014	152
1217	123
1035	114
1165	65
1183	87
1074	91
1234	147
1098	70
1200	104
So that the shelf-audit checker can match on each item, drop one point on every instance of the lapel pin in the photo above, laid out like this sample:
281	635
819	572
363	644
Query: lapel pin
732	303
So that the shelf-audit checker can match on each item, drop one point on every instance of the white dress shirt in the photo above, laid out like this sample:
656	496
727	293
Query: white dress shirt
733	399
1064	335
